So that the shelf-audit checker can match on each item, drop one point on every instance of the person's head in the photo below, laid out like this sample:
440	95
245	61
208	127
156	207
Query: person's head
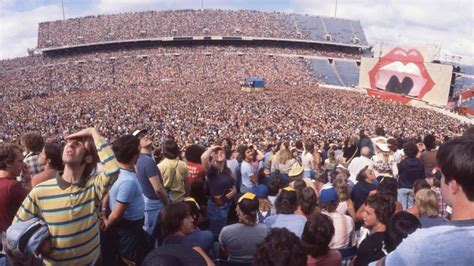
177	219
342	189
280	248
218	155
274	185
430	142
328	199
193	153
455	159
309	146
249	153
287	201
366	174
11	159
426	203
51	155
144	138
32	141
380	131
469	131
80	152
308	200
299	185
410	149
194	209
247	207
420	184
388	187
392	144
317	234
170	149
377	211
126	149
365	151
285	155
401	225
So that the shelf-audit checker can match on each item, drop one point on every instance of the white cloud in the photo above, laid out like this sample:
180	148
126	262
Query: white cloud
18	30
408	22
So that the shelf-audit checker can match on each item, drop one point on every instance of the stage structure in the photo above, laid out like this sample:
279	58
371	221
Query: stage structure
252	84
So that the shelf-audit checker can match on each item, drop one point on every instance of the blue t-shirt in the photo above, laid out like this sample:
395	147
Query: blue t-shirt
247	171
147	168
126	190
449	244
293	222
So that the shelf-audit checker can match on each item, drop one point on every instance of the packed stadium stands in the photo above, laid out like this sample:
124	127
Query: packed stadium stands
153	24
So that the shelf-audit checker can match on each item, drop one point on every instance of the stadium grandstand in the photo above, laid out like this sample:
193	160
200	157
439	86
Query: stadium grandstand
230	138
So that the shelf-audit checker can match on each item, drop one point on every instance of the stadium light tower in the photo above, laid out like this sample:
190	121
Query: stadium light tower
335	9
202	5
62	5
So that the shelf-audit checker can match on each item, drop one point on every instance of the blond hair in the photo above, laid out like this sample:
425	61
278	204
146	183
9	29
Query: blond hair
426	202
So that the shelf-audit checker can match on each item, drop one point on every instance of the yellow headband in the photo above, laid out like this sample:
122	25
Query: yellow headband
289	189
248	195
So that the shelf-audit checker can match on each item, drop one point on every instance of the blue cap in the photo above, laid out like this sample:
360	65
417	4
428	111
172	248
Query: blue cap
328	195
261	191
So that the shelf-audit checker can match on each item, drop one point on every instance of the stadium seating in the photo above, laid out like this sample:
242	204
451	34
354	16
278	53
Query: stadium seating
323	69
348	71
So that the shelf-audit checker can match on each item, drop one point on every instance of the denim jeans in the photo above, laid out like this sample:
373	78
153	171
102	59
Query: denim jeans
217	216
405	196
309	174
152	215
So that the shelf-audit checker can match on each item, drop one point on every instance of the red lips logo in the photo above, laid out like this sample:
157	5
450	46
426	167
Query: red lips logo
399	73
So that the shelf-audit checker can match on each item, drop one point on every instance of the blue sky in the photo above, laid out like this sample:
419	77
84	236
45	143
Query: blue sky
399	22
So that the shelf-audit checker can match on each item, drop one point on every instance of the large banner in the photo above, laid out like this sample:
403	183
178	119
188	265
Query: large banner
403	75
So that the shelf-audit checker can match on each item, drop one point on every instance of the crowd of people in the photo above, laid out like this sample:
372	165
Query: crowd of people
134	202
152	24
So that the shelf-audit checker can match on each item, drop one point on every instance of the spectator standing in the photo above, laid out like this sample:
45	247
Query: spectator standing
78	189
455	159
12	192
221	186
173	170
33	143
411	169
151	183
50	159
239	241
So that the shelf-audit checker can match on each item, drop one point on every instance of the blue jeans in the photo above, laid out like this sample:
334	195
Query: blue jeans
309	174
152	215
205	239
405	196
217	216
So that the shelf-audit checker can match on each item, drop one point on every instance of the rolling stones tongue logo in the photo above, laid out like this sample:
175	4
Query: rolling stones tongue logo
401	72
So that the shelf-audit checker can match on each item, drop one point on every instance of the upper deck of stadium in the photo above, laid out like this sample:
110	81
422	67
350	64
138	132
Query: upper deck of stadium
205	24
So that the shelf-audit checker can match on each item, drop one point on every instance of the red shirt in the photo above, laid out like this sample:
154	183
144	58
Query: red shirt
196	172
12	195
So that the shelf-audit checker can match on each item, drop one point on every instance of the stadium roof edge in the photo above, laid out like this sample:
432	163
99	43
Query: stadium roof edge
198	38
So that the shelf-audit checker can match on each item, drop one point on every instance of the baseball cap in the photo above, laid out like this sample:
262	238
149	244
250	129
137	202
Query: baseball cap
328	195
248	203
261	191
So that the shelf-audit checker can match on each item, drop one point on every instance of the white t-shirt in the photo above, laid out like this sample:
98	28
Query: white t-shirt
306	161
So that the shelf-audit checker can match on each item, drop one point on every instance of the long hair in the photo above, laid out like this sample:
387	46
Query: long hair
426	202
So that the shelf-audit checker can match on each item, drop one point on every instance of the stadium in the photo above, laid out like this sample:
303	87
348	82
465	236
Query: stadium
245	79
89	56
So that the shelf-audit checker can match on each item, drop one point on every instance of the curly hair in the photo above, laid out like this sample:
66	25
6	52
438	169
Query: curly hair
193	153
33	141
308	200
410	149
126	148
280	248
53	153
170	149
383	206
317	234
8	153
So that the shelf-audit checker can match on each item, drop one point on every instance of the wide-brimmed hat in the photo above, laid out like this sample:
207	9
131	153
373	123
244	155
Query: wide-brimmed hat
295	170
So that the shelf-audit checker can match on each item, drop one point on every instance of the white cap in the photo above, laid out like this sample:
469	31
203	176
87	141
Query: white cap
138	131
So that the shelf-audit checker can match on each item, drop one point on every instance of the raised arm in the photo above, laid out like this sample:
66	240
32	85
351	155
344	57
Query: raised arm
205	158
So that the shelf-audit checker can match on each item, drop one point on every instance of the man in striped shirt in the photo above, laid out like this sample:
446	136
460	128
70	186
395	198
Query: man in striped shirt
69	203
